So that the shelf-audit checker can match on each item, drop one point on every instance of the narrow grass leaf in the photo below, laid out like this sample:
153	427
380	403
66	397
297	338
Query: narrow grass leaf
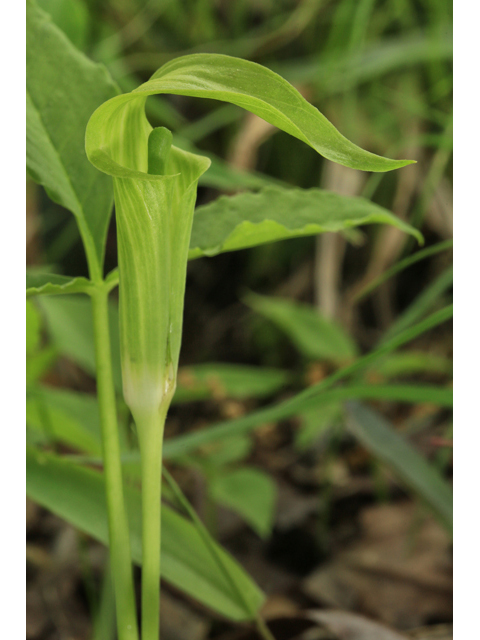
422	304
308	401
337	74
403	264
380	437
296	405
409	363
104	621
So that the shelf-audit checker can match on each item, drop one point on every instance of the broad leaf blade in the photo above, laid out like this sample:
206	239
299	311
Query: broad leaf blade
316	422
32	328
63	90
70	326
250	219
66	416
54	284
380	437
71	16
218	379
251	493
77	494
314	335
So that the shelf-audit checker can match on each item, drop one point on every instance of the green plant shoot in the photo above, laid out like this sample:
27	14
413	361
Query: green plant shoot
155	187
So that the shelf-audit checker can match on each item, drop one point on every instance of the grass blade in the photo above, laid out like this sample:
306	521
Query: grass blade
403	264
380	437
297	404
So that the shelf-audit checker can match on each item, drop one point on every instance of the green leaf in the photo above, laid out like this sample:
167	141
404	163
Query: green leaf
224	452
77	495
222	175
410	363
342	71
380	437
299	403
249	492
422	304
315	422
307	401
70	326
71	16
315	336
66	416
403	264
63	90
39	359
38	363
32	328
40	283
217	379
250	219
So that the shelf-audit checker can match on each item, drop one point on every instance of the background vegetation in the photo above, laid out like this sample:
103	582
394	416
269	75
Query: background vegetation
298	497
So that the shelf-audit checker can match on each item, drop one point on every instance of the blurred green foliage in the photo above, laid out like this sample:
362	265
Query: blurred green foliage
381	71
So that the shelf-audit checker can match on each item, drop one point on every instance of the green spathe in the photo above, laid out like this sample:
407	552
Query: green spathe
154	219
154	212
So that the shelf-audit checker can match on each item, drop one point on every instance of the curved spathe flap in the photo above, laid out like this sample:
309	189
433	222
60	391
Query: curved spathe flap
219	77
116	143
265	93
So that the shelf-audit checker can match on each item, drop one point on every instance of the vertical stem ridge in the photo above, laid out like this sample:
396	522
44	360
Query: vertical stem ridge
118	531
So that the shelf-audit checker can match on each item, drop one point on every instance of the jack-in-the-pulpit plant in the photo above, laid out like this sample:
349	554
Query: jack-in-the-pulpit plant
155	198
155	185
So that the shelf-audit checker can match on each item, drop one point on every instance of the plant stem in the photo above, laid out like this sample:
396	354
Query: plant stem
119	537
150	434
262	628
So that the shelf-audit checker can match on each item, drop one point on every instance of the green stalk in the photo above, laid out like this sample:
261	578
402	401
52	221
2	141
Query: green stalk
150	434
262	628
118	531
